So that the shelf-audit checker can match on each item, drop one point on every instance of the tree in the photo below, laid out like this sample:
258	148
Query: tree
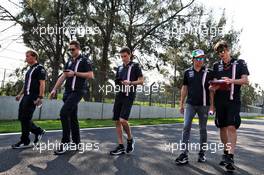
150	27
103	15
141	25
250	94
42	24
13	88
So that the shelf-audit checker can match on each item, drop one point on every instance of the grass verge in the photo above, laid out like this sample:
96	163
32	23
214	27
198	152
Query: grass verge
9	126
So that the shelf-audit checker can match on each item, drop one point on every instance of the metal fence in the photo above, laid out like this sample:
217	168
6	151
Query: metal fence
169	98
51	110
252	109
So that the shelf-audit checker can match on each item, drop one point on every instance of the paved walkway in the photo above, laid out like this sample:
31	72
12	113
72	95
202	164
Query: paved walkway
151	155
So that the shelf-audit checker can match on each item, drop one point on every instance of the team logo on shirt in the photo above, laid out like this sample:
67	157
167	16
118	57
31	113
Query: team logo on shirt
220	67
70	63
191	74
42	71
120	69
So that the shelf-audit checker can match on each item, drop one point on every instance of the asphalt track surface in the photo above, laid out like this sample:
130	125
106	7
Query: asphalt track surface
151	156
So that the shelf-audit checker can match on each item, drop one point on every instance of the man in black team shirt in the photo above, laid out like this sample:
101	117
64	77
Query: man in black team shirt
235	73
196	87
76	72
32	95
128	76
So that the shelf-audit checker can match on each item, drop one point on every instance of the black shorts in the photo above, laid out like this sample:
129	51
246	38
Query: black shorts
227	114
122	106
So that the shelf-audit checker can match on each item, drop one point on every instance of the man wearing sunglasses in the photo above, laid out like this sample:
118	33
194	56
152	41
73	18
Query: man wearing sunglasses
76	72
128	76
234	73
196	89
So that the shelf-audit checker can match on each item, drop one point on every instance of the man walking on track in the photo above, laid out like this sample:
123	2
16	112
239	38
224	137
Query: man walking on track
32	95
233	73
128	76
196	87
76	72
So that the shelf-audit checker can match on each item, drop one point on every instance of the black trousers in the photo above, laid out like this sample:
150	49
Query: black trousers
25	114
68	116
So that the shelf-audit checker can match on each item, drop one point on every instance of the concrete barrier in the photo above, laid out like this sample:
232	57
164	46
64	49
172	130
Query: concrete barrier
93	110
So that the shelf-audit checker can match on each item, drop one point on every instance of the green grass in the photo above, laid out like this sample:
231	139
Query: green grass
14	125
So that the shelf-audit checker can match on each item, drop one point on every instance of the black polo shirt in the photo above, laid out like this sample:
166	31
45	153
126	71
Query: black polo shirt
193	80
122	74
225	70
35	73
81	64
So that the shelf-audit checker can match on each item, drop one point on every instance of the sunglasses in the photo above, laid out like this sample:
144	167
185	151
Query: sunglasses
199	59
124	56
71	50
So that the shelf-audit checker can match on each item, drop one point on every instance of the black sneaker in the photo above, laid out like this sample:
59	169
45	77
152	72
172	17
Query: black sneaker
130	146
182	159
201	157
62	149
38	137
22	145
223	161
230	167
120	149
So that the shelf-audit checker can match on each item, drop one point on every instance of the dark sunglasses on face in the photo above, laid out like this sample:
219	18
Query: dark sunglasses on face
123	56
71	49
199	59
